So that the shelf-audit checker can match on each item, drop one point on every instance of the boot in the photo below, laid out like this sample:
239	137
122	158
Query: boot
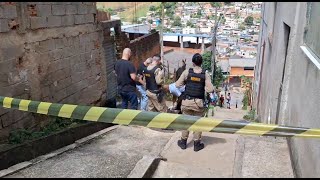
198	145
182	143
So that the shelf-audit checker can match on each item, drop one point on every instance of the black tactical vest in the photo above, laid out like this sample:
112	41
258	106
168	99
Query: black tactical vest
151	83
195	84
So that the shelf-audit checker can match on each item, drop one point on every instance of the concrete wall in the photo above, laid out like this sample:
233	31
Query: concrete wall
298	96
50	51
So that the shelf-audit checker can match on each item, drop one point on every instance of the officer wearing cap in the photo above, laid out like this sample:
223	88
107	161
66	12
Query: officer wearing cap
197	82
154	79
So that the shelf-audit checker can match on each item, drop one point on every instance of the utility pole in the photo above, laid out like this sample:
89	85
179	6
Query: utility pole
161	32
161	36
213	47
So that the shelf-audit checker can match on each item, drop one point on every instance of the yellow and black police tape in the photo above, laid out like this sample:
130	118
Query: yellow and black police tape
156	119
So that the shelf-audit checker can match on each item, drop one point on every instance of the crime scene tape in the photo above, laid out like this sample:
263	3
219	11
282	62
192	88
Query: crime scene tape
156	119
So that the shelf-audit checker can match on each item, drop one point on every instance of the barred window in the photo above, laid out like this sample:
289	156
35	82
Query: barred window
312	35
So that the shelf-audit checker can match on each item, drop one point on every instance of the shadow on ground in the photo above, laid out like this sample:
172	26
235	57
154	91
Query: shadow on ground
207	140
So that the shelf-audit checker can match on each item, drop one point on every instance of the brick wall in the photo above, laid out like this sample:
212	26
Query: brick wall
50	51
144	47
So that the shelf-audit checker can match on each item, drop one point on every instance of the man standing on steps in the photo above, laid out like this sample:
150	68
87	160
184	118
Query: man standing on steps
126	77
197	83
154	79
140	87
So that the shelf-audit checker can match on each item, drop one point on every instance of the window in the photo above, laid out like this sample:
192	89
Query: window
248	68
312	36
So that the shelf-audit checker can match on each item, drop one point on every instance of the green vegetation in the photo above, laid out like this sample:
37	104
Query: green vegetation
247	40
169	9
245	101
189	23
152	8
195	16
250	115
116	5
206	64
177	21
248	21
246	98
216	4
109	10
258	20
141	11
21	135
199	13
242	27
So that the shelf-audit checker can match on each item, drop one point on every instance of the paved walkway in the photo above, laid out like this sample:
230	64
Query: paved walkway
215	160
227	155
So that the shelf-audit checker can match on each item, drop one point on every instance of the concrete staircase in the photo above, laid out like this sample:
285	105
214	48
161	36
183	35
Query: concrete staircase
227	156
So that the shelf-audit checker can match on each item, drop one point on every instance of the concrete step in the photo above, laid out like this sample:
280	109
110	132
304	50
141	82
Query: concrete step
262	157
179	170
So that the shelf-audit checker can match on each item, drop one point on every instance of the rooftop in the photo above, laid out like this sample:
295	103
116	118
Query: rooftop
224	64
242	62
136	28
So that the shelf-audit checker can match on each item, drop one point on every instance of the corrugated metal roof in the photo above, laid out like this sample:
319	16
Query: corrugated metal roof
242	62
187	35
136	28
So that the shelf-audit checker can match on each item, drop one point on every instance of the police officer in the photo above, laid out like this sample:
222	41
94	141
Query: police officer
154	79
197	82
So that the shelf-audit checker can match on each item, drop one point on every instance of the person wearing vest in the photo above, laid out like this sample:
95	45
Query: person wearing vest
197	82
154	79
141	87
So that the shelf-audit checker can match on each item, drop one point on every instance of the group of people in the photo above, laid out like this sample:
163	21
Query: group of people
190	89
221	100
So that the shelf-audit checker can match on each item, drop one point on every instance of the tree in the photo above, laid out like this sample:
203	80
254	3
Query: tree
242	27
111	11
177	21
152	8
189	23
258	20
227	3
248	21
199	12
216	4
206	65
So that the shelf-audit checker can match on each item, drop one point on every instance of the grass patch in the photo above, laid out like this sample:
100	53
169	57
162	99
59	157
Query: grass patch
142	9
19	136
115	5
250	115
